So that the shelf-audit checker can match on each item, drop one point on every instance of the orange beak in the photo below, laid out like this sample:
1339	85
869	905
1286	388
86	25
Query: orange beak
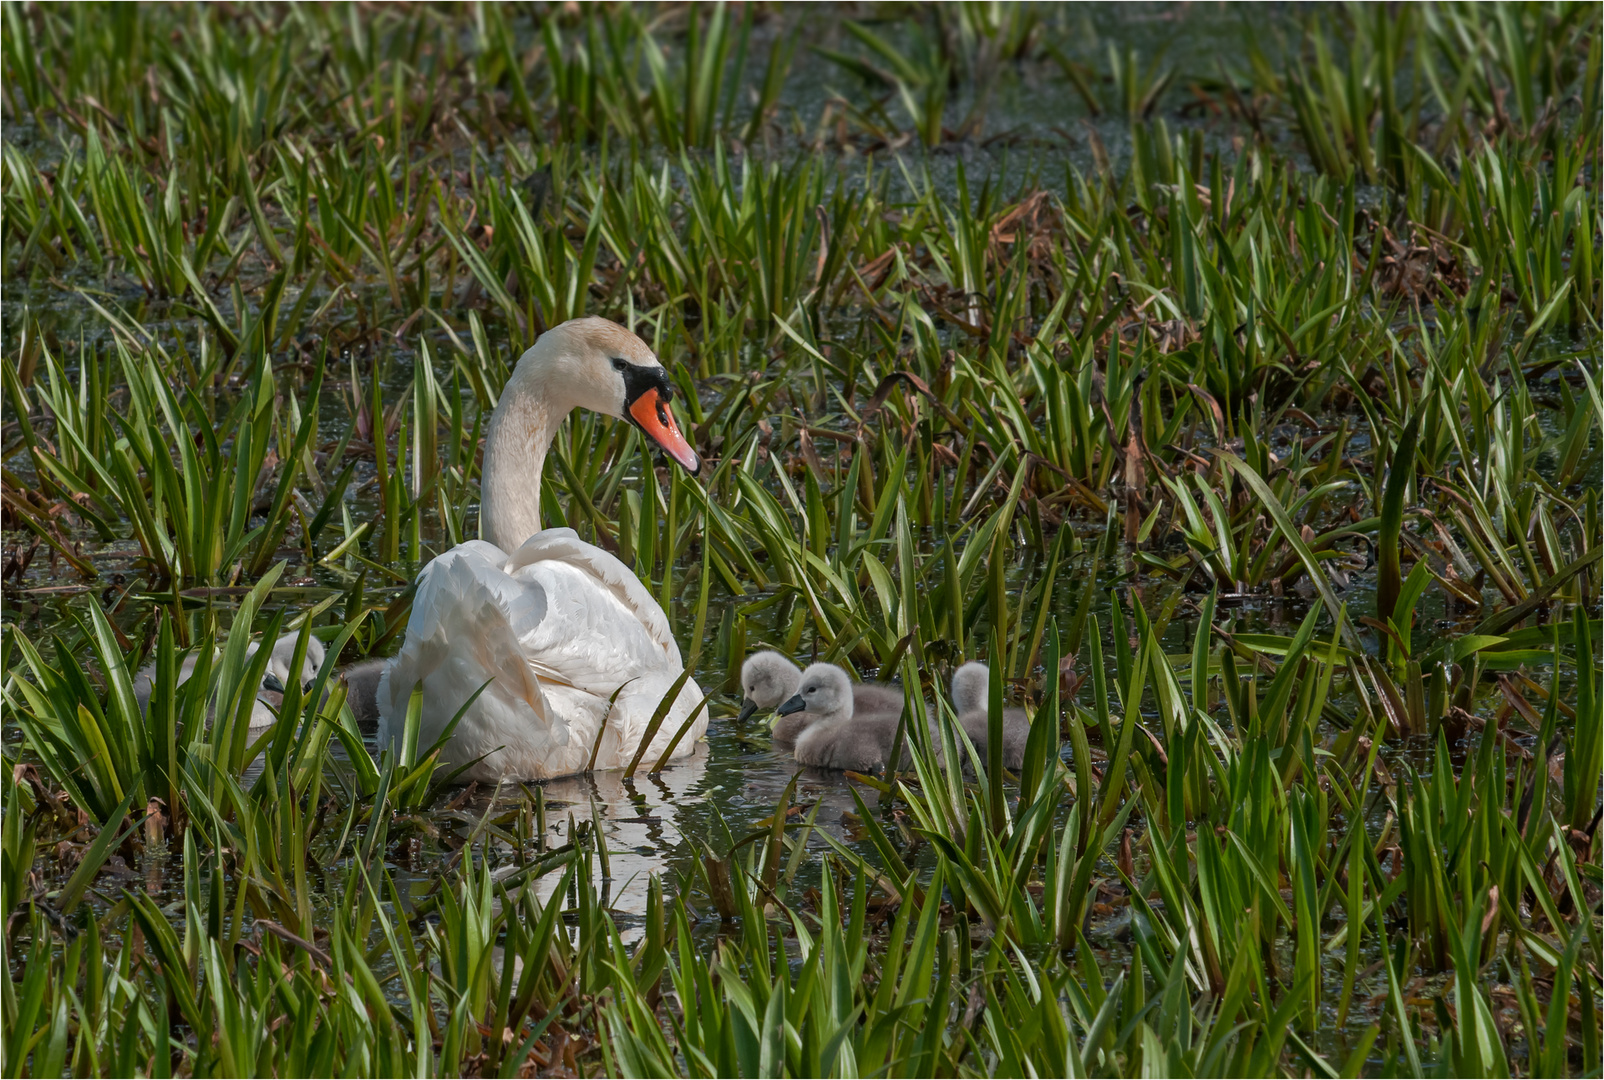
655	418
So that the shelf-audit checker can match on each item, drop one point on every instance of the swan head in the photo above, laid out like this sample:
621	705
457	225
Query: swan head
606	369
270	695
825	693
277	676
969	686
767	679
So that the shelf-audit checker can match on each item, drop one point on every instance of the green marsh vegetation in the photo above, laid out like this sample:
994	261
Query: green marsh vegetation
1228	378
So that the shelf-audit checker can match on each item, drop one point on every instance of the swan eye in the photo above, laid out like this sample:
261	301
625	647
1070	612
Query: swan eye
620	364
813	689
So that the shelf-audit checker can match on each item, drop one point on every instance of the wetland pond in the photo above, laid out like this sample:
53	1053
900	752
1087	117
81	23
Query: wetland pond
1257	452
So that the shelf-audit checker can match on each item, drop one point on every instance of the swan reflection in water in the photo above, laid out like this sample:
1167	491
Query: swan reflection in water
650	824
640	823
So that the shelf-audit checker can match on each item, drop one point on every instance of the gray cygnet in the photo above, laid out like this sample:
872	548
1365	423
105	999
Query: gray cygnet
828	731
362	692
768	679
970	684
269	696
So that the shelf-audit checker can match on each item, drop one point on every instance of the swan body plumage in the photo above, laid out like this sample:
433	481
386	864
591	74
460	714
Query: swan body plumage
573	653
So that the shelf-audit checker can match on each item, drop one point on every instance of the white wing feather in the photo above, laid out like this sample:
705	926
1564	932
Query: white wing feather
558	629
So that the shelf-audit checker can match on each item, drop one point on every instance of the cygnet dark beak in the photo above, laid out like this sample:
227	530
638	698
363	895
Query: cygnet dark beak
270	682
793	704
748	707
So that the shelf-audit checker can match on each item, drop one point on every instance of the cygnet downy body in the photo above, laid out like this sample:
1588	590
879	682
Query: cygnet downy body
828	731
362	692
769	679
268	696
970	684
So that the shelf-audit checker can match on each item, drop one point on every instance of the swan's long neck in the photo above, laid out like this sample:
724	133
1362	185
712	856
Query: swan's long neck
516	440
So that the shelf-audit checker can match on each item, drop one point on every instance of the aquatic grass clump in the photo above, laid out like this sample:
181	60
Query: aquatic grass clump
1250	432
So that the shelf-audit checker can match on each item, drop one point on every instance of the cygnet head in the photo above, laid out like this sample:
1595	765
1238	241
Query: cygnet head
969	686
767	679
277	675
825	693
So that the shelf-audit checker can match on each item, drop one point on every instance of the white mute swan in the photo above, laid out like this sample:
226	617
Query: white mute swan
557	626
768	678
